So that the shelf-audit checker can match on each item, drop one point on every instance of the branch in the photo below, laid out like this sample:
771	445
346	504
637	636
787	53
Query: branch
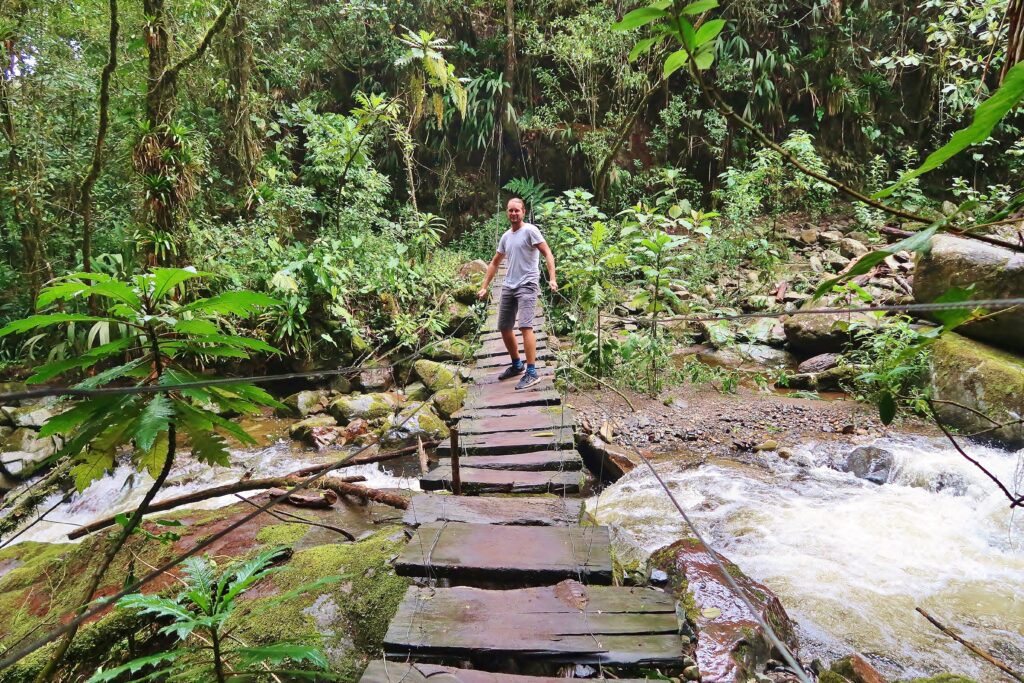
971	646
343	488
215	28
289	518
627	125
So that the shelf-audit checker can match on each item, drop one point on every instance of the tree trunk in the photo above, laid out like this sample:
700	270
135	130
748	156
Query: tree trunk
243	150
1015	37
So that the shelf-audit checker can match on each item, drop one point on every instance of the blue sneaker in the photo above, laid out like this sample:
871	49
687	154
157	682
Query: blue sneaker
528	380
511	371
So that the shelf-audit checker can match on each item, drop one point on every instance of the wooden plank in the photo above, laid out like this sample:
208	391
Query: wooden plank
521	510
568	622
503	395
566	461
512	442
526	421
554	412
381	671
524	555
476	480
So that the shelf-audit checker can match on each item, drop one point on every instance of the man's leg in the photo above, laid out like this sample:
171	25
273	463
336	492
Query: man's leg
527	306
507	309
512	344
529	345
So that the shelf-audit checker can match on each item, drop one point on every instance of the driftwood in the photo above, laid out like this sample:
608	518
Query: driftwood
971	646
362	460
196	497
344	488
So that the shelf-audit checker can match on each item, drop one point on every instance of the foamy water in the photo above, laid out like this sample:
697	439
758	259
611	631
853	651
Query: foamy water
849	559
123	490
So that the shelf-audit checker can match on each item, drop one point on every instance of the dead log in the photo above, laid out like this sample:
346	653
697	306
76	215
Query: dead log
199	496
343	488
364	460
310	498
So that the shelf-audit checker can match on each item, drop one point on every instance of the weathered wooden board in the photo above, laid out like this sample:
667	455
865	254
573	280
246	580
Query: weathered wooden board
555	439
528	419
381	671
504	395
523	555
567	622
537	461
520	510
476	480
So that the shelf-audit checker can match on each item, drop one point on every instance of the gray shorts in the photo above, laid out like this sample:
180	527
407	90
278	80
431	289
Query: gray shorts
522	299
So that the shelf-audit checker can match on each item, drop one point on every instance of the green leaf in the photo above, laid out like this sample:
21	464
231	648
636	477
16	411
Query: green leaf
119	291
704	60
207	445
953	318
154	419
642	47
69	419
36	321
136	665
242	304
196	327
700	7
59	292
166	279
886	408
986	116
708	31
675	61
92	465
51	370
689	35
109	375
639	17
280	653
918	242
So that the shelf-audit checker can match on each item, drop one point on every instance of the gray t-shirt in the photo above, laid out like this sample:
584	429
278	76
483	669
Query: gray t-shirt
520	249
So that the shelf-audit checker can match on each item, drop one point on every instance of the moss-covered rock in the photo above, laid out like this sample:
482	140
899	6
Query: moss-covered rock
465	292
415	421
302	403
436	376
462	320
32	416
823	332
365	406
305	430
982	378
417	391
856	669
451	349
450	401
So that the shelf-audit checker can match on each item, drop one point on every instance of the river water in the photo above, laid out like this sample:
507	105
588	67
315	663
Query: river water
849	559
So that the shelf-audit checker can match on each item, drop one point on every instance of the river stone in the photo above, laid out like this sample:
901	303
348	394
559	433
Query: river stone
830	237
451	349
27	416
302	403
819	363
417	391
851	248
436	376
450	401
808	235
993	271
870	463
341	385
982	378
10	388
470	268
856	669
27	440
823	332
364	406
375	379
731	647
611	461
415	421
311	427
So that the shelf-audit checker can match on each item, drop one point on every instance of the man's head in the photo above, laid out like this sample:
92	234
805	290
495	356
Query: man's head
516	210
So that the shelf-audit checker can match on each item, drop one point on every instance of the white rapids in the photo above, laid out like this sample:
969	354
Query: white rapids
849	559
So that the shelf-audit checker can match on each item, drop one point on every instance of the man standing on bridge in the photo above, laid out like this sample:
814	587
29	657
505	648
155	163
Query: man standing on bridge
522	244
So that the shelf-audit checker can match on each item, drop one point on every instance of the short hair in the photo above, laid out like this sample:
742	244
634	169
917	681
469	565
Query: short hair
517	199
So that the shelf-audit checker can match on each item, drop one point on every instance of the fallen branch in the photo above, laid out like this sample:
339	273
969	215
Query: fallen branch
197	497
343	488
364	460
289	518
971	646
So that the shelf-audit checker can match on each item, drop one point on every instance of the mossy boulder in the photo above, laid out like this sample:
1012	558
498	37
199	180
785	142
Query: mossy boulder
417	391
465	292
364	406
823	332
450	401
436	376
993	272
462	320
34	416
856	669
451	349
417	420
303	403
306	430
981	378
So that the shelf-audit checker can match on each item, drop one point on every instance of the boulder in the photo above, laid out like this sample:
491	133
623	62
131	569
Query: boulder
475	267
34	416
415	421
465	292
10	388
319	430
451	349
993	271
375	379
748	357
610	460
27	440
851	248
980	378
819	363
303	403
731	647
823	332
341	385
856	669
808	235
833	379
364	406
462	320
436	376
830	237
449	401
870	463
417	391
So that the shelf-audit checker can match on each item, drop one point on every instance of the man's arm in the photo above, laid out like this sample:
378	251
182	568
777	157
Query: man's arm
550	259
492	270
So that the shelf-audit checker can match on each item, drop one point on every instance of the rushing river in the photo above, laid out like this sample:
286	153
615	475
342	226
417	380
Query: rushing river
124	489
849	559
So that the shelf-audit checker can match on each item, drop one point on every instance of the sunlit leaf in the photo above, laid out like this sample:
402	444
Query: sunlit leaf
700	7
639	17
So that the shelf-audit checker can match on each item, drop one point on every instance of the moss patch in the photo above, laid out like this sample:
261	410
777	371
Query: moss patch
281	534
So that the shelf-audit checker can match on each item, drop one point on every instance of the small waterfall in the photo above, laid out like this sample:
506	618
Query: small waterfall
850	559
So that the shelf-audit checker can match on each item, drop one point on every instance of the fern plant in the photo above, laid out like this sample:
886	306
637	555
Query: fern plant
206	647
531	191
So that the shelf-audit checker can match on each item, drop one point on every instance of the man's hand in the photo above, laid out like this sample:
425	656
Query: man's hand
553	285
482	294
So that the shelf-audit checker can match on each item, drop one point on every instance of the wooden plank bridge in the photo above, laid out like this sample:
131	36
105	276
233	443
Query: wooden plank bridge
515	582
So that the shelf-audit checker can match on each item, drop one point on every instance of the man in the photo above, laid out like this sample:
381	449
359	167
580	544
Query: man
522	244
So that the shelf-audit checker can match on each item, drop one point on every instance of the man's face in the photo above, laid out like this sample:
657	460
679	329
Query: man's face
515	212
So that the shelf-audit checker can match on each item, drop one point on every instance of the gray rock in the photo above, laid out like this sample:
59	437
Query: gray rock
819	363
475	267
27	416
415	421
375	379
341	385
303	403
981	378
365	406
851	248
12	387
830	237
823	332
870	463
450	349
816	265
809	236
834	259
993	271
417	391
